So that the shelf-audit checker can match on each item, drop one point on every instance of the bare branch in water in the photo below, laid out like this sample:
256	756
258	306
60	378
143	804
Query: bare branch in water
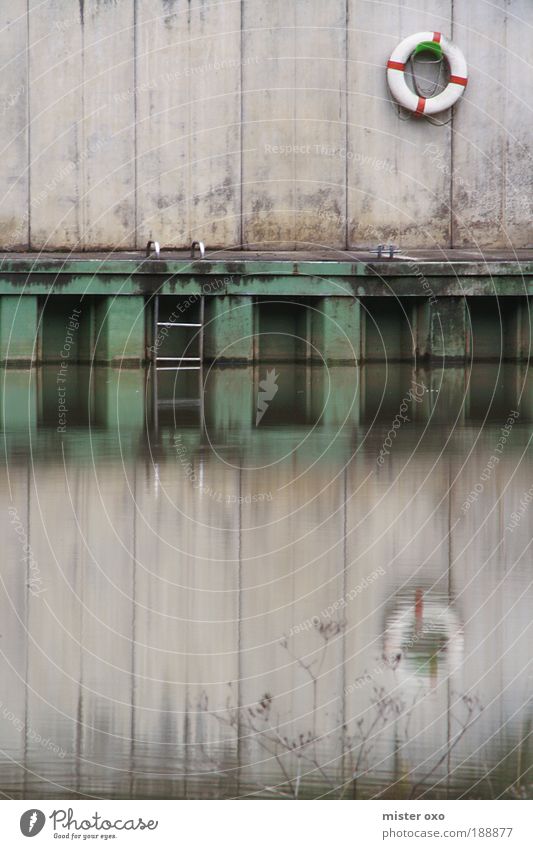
259	722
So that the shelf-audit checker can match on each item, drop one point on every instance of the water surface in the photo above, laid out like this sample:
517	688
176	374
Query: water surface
333	602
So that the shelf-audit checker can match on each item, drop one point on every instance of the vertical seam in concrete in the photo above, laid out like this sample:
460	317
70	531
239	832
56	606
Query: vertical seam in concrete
503	152
452	143
346	123
135	135
79	728
241	130
239	633
294	190
28	122
79	706
133	629
343	632
27	654
450	603
82	187
190	109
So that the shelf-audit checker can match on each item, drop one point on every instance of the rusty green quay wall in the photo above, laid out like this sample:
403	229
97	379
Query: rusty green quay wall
94	310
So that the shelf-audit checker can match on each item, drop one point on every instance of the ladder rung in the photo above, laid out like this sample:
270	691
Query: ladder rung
177	324
178	368
179	359
180	402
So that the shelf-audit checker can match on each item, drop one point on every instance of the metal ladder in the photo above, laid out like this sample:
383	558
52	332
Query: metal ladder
178	364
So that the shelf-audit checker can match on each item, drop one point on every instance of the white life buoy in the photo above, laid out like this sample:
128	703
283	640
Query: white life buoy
401	91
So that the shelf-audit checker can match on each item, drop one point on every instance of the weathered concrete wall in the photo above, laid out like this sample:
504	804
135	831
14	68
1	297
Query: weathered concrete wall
266	123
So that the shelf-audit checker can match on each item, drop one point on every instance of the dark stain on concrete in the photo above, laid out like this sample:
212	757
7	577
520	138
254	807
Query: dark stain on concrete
100	3
262	203
171	11
236	268
201	267
165	201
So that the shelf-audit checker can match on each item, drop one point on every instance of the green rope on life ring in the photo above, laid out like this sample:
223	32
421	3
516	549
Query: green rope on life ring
429	47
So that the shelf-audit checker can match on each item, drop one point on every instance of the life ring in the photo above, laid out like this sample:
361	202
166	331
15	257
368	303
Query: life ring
396	73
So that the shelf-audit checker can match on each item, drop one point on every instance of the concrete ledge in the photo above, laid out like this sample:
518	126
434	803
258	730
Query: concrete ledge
269	309
335	274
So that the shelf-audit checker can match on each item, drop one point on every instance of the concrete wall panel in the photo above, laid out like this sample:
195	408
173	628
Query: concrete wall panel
399	171
108	125
294	123
14	125
188	122
56	131
492	131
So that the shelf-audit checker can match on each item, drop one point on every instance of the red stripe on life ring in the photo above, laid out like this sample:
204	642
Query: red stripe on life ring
396	66
459	80
437	37
421	105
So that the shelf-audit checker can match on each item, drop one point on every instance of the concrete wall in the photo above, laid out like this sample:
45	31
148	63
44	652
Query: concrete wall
263	122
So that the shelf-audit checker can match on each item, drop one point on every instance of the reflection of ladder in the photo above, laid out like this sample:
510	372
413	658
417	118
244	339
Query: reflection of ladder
177	364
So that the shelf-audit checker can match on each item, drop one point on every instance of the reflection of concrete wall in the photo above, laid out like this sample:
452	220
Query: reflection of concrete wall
13	612
160	591
270	126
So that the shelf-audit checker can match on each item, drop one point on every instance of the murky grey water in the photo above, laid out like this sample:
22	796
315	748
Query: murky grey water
333	602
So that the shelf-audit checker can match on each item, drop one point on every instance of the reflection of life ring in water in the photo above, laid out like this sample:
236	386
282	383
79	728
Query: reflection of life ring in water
420	638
